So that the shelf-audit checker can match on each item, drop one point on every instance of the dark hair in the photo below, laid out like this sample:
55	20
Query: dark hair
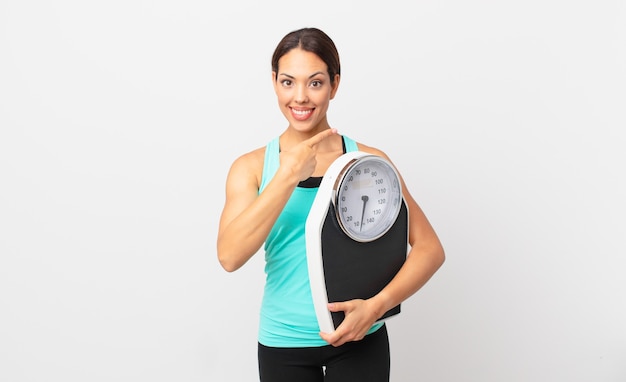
311	40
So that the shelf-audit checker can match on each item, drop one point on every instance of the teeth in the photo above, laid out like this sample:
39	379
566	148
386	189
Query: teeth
301	112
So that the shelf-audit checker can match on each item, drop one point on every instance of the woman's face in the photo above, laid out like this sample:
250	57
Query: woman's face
304	90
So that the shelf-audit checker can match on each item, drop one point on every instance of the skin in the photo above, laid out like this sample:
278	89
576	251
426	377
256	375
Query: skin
308	146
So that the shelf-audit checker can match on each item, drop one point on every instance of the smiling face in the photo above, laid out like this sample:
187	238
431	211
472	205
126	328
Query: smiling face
304	90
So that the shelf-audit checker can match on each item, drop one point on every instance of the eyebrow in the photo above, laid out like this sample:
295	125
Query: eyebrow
311	76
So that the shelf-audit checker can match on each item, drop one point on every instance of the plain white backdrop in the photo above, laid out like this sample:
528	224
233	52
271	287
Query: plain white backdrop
119	121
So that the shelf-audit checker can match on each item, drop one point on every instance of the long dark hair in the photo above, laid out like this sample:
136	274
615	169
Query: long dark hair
311	40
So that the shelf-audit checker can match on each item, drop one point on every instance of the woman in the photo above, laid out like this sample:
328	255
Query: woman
269	192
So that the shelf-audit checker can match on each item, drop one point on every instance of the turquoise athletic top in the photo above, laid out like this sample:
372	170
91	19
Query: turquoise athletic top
287	314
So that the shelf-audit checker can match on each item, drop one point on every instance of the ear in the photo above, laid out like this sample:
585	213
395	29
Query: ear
274	83
335	86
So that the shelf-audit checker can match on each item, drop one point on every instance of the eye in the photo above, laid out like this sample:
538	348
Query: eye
316	83
286	82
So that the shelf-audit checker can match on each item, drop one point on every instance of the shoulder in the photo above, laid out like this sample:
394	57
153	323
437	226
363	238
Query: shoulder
248	166
372	150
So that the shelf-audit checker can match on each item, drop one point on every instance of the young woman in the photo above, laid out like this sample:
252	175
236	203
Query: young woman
269	192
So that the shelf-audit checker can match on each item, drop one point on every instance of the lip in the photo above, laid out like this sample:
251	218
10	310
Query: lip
301	114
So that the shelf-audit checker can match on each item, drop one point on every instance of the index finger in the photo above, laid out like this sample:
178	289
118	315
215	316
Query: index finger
314	140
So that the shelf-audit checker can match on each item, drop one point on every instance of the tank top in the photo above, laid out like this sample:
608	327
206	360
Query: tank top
287	317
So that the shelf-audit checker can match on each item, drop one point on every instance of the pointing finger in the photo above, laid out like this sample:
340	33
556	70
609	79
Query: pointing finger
320	137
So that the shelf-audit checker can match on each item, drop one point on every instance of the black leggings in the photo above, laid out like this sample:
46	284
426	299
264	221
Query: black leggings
363	361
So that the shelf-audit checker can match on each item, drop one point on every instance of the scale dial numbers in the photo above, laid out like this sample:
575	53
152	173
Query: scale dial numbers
368	198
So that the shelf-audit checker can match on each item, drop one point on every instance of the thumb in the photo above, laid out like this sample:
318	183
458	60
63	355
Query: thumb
337	306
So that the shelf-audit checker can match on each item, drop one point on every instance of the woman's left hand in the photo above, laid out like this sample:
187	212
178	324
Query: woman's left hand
360	315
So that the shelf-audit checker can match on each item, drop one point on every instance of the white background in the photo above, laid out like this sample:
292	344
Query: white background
120	119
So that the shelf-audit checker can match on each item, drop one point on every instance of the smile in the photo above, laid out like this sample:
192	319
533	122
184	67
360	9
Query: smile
301	115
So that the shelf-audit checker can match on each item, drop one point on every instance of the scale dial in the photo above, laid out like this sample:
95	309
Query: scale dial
368	198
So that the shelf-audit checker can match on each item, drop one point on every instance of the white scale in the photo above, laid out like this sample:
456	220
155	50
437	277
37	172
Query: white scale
356	234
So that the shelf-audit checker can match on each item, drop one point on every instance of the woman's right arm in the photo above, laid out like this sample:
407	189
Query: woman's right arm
248	217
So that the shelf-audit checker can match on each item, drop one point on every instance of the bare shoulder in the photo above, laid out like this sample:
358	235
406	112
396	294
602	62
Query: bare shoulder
251	159
248	166
372	150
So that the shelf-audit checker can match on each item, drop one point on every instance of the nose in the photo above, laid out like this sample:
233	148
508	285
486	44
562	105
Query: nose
301	95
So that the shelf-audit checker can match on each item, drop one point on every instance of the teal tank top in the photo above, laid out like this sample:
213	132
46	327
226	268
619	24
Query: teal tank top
287	316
